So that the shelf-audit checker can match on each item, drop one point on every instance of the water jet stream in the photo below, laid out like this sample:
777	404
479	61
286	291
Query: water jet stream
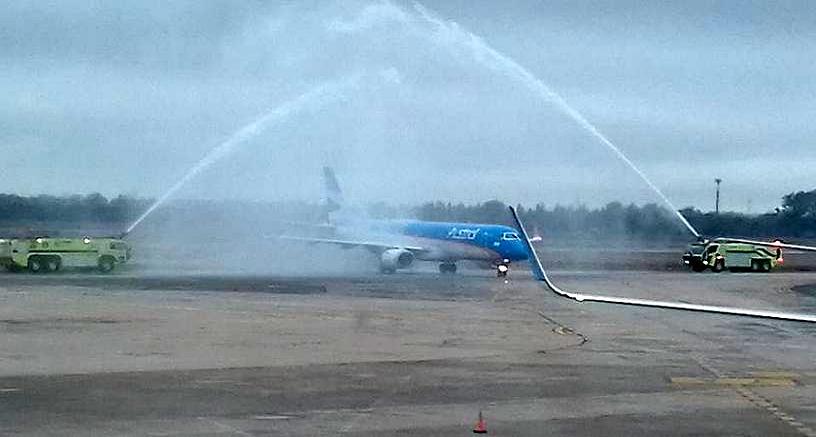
314	98
541	275
491	58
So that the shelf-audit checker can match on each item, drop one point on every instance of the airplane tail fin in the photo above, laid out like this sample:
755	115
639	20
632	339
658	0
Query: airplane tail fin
332	195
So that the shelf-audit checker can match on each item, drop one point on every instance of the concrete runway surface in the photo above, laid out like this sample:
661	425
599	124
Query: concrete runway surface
407	354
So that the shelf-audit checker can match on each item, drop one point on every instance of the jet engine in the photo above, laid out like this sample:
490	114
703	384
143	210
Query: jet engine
393	259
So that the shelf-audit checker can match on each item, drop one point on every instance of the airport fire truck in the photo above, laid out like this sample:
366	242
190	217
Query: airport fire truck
44	255
721	254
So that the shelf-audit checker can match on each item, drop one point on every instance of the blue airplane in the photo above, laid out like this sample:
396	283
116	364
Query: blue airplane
398	243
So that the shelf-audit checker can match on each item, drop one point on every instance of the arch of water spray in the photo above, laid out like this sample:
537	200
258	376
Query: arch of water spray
442	32
314	98
490	57
447	33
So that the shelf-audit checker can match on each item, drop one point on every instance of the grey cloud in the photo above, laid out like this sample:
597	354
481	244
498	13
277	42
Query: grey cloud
126	96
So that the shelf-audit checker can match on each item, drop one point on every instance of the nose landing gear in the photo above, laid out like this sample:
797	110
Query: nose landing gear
502	268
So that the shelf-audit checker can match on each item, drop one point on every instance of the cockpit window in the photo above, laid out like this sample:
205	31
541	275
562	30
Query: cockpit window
510	236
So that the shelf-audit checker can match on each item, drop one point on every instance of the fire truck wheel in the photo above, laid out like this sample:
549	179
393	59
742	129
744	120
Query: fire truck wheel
106	264
52	264
35	264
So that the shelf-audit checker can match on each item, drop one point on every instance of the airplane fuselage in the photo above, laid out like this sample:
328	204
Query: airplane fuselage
466	241
449	242
399	243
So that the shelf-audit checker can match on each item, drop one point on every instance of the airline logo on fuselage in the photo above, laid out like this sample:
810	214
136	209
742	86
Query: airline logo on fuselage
463	234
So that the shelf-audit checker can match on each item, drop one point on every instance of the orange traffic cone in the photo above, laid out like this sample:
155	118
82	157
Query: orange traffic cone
480	427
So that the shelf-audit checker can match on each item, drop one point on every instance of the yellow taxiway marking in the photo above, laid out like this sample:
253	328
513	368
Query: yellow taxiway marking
755	381
776	375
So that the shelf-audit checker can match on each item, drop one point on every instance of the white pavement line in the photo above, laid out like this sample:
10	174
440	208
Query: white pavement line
331	411
406	418
225	427
9	390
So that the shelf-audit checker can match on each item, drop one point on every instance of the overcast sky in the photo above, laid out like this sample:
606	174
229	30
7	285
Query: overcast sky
125	97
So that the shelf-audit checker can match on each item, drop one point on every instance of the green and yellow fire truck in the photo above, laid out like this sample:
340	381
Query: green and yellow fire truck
721	254
43	255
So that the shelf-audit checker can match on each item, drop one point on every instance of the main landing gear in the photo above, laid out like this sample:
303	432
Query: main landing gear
502	268
447	267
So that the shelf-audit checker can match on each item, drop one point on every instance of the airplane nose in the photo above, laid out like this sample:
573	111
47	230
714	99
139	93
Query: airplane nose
520	251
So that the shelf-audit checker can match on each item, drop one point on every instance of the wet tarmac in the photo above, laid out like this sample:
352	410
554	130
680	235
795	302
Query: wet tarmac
406	354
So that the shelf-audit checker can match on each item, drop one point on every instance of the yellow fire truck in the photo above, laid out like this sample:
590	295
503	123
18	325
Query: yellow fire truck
44	255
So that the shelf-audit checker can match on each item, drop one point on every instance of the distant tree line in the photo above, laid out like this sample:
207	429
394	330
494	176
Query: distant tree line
76	208
796	217
613	220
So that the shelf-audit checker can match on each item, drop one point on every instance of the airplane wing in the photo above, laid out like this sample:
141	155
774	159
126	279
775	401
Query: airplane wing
348	244
774	244
312	225
541	275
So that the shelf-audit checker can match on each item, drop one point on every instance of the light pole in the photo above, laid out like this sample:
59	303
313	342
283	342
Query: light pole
717	201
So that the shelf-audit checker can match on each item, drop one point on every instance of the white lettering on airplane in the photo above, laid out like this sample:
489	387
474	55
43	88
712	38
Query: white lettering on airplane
463	234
